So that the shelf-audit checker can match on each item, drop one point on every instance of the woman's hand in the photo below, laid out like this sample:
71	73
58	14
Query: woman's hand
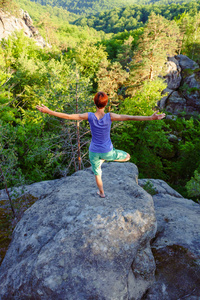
155	116
43	109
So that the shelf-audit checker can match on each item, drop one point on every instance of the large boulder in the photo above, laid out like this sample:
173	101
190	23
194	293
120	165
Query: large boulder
176	247
72	244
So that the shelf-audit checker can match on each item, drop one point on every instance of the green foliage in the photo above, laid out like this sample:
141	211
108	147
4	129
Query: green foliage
135	16
34	146
85	7
190	28
144	140
9	6
120	46
36	10
145	99
193	186
111	79
149	188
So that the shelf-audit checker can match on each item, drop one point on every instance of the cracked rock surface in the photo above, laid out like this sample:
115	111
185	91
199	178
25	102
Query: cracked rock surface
72	244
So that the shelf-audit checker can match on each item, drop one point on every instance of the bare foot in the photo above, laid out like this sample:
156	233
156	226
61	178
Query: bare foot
101	195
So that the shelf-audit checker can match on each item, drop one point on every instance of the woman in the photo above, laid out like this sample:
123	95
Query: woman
101	147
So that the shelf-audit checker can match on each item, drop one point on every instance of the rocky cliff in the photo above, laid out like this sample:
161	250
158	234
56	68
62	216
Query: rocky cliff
72	244
9	24
183	86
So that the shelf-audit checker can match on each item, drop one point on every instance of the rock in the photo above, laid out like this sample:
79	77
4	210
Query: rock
176	103
185	62
176	247
173	138
192	92
171	117
38	190
162	102
173	76
72	244
10	24
183	87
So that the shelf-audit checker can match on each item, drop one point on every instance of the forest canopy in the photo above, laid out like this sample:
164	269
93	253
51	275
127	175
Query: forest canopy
135	16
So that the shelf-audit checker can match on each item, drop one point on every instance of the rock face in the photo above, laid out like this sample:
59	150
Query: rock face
10	24
72	244
176	247
183	90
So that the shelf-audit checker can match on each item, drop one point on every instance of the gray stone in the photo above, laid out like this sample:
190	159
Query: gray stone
162	102
171	117
176	103
72	244
185	62
176	247
38	190
173	73
183	87
192	93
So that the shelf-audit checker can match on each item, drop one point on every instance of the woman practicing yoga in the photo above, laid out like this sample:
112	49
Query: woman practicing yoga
101	147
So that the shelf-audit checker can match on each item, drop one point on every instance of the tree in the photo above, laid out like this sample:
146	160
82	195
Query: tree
190	35
111	78
158	41
70	94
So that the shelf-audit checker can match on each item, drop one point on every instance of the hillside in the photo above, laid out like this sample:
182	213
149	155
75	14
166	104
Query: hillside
36	11
91	7
135	16
86	7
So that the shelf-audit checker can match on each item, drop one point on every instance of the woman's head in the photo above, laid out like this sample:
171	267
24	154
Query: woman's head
100	99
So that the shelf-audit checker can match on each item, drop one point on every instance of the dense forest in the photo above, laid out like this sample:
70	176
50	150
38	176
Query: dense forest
90	7
135	16
86	7
65	77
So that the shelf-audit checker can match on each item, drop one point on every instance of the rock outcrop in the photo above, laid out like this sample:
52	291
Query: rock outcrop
183	86
176	247
10	24
72	244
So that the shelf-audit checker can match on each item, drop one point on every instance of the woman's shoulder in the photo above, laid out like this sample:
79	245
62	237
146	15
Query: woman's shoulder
90	115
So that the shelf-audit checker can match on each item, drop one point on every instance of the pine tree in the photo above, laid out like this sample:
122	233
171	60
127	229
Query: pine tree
158	41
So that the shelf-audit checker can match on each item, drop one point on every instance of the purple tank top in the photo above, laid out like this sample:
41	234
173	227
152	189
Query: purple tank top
101	142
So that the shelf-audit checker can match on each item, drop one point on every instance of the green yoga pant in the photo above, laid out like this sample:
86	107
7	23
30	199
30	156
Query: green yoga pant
95	158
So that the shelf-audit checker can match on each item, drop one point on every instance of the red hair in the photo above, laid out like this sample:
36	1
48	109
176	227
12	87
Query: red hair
100	99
